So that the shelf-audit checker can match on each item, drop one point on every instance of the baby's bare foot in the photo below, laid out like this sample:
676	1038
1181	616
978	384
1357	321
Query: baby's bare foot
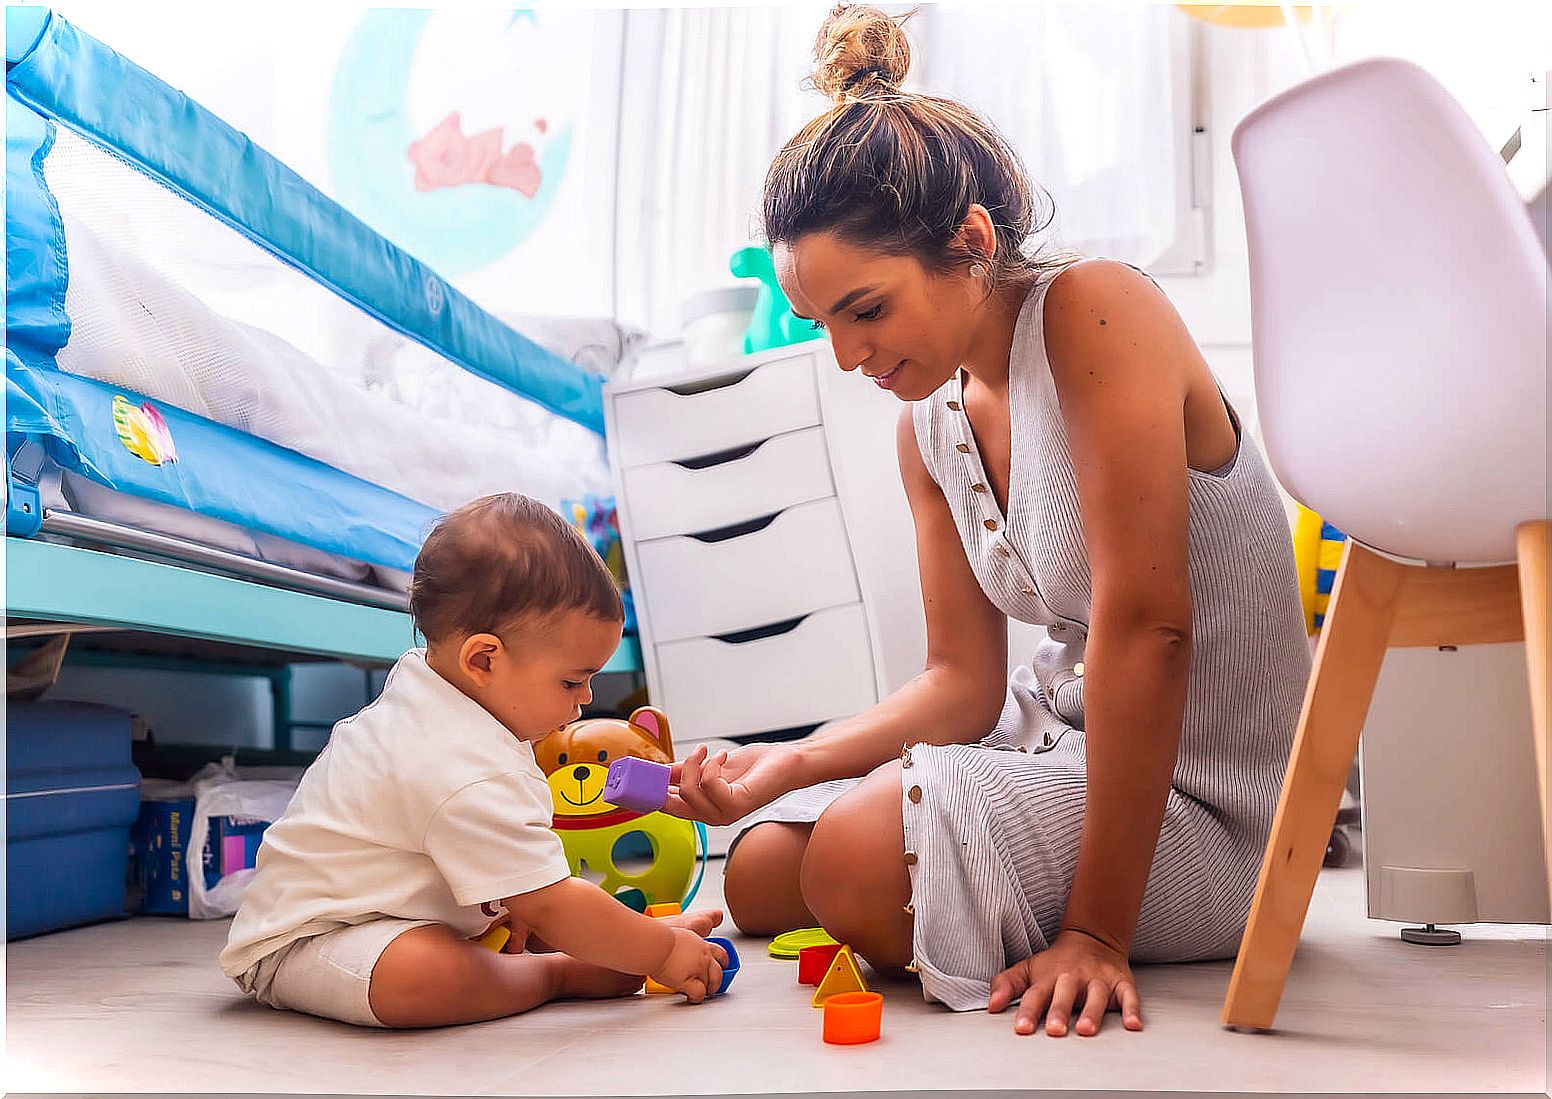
703	923
576	980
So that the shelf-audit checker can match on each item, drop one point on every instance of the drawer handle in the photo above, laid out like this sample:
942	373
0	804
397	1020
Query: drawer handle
737	530
760	633
708	385
721	457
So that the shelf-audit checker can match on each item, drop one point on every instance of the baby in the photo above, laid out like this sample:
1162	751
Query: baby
425	822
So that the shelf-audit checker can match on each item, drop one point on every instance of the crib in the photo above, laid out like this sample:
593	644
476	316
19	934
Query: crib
233	410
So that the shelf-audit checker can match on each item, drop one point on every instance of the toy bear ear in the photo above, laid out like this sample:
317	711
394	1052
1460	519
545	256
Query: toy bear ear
655	721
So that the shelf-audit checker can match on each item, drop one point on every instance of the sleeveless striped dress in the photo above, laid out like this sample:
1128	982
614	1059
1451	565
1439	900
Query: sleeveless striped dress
994	826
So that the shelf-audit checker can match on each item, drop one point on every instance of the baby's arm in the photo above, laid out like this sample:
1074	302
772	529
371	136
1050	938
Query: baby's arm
579	919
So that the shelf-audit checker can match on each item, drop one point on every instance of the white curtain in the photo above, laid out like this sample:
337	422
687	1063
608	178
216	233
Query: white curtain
1086	93
709	97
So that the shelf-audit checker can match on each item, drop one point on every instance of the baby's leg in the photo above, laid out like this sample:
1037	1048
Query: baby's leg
760	882
428	976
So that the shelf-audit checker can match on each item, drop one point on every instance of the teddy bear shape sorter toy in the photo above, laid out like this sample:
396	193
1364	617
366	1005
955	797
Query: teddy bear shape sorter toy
642	858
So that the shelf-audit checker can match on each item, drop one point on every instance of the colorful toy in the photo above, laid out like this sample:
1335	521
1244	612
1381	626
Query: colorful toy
772	323
640	785
730	970
632	898
1317	551
852	1018
790	944
657	912
495	938
843	976
814	962
598	835
597	519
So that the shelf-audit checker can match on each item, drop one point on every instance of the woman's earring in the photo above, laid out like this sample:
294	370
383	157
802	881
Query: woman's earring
977	271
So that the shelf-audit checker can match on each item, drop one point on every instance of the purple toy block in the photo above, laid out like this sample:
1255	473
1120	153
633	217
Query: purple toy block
639	785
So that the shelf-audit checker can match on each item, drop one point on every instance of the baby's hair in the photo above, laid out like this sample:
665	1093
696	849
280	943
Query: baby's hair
896	171
501	561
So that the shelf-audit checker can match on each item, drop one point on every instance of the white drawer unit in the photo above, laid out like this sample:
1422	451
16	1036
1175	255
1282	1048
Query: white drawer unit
766	570
733	486
791	674
668	419
754	616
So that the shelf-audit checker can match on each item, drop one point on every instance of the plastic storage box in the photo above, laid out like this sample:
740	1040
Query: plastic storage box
71	795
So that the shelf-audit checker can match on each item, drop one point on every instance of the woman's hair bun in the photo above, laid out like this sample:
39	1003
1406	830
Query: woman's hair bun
857	46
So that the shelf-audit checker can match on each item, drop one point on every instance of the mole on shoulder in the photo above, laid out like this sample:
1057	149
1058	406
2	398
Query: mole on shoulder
1101	320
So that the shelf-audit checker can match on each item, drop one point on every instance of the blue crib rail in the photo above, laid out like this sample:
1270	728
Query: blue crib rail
58	76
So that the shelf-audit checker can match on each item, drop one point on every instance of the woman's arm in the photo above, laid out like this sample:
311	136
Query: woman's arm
1123	363
956	698
1124	366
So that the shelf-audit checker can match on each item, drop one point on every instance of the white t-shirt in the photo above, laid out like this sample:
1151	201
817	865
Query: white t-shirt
421	807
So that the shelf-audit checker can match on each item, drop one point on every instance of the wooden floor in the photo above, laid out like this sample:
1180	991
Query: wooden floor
140	1006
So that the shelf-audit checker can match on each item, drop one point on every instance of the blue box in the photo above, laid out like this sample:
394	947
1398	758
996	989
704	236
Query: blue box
71	795
161	845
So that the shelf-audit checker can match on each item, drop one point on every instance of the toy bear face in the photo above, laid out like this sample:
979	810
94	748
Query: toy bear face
576	757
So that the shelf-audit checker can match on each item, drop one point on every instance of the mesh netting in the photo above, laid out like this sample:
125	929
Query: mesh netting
170	301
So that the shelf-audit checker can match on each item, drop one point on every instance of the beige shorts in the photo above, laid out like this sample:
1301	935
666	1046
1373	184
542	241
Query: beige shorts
329	974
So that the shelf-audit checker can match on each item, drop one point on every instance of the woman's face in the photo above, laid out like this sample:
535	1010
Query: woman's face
888	316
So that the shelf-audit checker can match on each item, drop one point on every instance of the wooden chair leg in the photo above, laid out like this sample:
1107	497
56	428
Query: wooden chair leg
1532	539
1347	665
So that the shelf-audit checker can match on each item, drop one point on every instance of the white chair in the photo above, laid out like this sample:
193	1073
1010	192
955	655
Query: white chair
1399	313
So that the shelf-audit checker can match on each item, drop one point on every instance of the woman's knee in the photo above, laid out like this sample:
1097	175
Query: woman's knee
760	880
854	877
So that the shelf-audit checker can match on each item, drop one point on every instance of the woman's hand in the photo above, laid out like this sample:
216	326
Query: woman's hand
1075	972
728	786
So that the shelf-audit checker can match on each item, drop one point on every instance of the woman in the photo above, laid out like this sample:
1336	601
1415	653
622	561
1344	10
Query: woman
1069	461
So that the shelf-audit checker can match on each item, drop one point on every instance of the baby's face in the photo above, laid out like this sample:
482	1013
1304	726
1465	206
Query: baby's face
544	678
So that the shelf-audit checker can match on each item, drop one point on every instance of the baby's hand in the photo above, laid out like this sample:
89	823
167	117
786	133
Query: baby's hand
694	966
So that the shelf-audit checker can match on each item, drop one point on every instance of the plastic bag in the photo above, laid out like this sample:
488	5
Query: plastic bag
232	808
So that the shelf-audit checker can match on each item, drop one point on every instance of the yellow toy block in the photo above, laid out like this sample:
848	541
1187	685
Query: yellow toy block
842	976
1306	554
495	938
655	989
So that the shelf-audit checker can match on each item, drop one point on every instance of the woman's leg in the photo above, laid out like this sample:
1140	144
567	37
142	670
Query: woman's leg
854	877
760	880
428	976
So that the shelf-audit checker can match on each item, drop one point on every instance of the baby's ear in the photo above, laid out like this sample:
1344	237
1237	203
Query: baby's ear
476	655
655	722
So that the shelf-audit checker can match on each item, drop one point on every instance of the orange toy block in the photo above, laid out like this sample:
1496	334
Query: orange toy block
657	912
853	1018
842	976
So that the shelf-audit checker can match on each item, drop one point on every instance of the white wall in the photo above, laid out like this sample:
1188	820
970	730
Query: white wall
1239	68
1484	53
